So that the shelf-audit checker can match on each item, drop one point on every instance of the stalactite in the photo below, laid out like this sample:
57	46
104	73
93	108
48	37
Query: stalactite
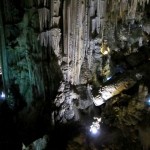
133	9
65	28
73	27
68	43
98	17
80	48
56	7
75	40
51	38
39	2
127	9
55	21
44	2
44	17
90	52
52	11
86	28
55	39
101	14
43	38
92	7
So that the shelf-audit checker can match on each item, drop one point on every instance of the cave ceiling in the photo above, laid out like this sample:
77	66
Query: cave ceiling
65	61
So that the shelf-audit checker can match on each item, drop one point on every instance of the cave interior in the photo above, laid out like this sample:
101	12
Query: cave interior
74	75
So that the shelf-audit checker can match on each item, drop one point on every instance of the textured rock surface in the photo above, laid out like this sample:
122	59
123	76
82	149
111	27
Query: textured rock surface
39	144
108	91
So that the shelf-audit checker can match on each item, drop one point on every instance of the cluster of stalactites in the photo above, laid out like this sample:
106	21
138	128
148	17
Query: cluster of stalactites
76	34
49	18
143	2
44	17
124	9
51	38
44	21
43	2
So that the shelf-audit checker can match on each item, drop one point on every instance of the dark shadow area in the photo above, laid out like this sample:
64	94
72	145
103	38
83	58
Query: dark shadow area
62	134
9	136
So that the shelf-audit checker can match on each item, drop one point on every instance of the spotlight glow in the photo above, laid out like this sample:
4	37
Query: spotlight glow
148	101
93	130
108	78
3	95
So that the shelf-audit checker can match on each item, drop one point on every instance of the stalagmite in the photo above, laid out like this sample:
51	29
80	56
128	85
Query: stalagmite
64	101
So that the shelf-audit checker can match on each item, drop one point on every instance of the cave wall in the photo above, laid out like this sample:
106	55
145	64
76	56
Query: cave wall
90	28
29	63
45	42
31	73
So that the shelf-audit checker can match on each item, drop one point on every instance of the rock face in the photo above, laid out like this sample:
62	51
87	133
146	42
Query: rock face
40	144
89	26
110	90
65	55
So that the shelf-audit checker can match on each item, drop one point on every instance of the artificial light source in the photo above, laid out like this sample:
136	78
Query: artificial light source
148	101
94	128
3	95
108	78
104	48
